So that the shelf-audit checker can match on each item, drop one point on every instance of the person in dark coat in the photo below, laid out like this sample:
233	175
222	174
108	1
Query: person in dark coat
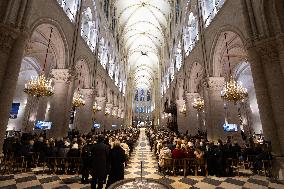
99	163
117	160
86	160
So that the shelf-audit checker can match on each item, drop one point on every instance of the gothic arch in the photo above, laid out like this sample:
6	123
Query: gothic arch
83	72
58	38
194	76
219	63
213	70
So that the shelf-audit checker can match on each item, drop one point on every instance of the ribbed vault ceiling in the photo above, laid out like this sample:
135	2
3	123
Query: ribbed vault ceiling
142	25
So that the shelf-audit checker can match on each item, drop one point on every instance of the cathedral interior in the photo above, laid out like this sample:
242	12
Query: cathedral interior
189	90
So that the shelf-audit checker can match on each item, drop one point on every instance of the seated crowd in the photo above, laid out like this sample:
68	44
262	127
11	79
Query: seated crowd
112	148
213	159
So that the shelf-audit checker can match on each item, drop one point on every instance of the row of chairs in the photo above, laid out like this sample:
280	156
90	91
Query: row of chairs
63	165
185	166
12	164
199	166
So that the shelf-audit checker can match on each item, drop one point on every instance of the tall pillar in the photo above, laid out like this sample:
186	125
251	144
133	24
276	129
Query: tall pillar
100	115
268	82
182	121
11	54
191	113
85	113
30	114
108	119
42	109
214	109
60	103
115	118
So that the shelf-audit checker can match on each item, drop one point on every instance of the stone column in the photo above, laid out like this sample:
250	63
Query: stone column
11	54
85	113
60	103
115	118
214	108
30	114
182	121
42	108
108	118
267	97
100	115
191	113
268	82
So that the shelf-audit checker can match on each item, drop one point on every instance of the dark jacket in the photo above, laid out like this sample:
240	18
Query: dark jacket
100	160
117	159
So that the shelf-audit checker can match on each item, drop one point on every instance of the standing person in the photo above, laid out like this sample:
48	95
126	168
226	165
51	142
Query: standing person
117	160
87	159
99	163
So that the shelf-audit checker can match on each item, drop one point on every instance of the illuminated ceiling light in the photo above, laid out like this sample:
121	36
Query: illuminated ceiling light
183	109
96	108
233	91
198	103
78	100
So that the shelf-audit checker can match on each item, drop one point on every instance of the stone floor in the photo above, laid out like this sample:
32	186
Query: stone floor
142	154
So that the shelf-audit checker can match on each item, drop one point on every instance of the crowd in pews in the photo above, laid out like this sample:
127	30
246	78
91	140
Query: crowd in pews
96	153
209	158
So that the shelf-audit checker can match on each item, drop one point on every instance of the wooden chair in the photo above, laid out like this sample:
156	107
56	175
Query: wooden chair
51	164
267	167
191	166
234	165
19	163
250	160
168	165
201	165
179	164
7	164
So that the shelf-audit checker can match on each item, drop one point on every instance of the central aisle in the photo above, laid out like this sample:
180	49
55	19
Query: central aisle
142	152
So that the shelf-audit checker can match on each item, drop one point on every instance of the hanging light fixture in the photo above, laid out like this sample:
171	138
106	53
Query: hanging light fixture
78	100
183	109
232	90
198	103
96	108
40	86
107	111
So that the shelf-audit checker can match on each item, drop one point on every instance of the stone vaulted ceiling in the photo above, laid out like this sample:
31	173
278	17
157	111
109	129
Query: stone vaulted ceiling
142	26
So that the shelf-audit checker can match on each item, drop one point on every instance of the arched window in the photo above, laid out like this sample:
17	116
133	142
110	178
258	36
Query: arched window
209	10
178	56
190	35
70	7
103	53
111	67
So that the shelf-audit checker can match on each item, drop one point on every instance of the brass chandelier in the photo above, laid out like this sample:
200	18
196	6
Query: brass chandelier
40	86
183	109
198	103
96	108
78	100
233	91
107	111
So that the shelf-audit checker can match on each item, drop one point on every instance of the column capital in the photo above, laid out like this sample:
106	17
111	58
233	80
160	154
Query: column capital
88	93
62	75
191	96
216	83
100	99
7	38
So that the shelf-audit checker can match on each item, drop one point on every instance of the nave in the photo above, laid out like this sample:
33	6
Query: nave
142	153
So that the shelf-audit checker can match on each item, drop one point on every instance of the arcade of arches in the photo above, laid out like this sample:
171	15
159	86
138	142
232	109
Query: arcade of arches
143	63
